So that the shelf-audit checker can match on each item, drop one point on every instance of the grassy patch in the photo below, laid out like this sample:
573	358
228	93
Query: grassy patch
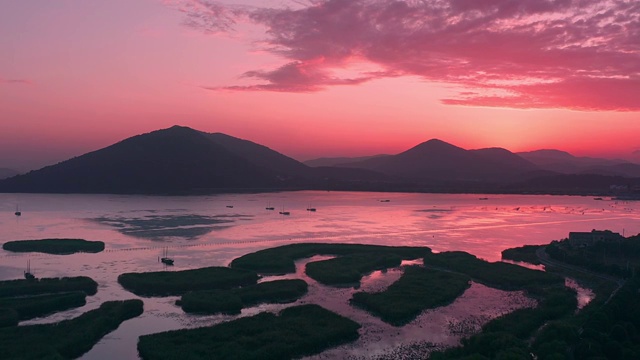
233	300
166	283
30	307
49	285
8	317
525	253
280	260
66	339
55	246
349	269
496	274
295	332
417	289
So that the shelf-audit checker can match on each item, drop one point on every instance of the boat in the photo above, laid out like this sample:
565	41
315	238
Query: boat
269	207
484	198
284	212
230	206
165	259
27	274
312	209
18	212
385	200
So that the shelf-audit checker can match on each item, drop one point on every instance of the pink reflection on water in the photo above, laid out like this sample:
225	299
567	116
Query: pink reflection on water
584	295
441	221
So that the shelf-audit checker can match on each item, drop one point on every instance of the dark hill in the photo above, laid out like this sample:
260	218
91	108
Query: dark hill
436	159
174	160
565	163
259	155
339	161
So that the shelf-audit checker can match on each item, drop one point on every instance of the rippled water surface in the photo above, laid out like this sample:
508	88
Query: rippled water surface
213	230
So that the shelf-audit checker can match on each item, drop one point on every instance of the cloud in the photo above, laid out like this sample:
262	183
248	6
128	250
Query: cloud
15	81
576	54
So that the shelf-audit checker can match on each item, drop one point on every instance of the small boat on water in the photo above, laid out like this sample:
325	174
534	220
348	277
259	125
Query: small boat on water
165	259
230	206
18	212
484	198
284	212
312	209
385	200
27	274
269	207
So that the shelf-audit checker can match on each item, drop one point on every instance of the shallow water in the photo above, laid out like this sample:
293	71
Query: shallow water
203	231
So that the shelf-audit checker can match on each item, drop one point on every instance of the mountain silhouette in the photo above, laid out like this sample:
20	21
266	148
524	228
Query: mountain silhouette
436	159
339	161
173	160
565	163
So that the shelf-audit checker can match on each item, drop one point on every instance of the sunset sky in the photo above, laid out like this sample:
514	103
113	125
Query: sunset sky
314	78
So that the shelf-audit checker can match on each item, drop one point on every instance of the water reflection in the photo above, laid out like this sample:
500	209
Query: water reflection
189	226
200	231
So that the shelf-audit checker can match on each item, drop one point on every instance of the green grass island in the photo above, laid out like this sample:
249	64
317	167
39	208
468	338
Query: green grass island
54	246
27	299
67	339
232	301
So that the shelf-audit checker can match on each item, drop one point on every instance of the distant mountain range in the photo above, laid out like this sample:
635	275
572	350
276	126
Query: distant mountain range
181	160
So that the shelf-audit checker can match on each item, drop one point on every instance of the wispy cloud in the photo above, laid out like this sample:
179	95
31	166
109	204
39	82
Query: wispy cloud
576	54
15	81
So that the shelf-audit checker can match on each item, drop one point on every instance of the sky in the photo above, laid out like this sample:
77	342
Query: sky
315	78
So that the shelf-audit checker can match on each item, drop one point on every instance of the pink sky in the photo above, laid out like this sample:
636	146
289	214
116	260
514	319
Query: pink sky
321	78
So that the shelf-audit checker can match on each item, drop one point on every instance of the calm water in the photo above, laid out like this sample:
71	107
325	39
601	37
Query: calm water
212	230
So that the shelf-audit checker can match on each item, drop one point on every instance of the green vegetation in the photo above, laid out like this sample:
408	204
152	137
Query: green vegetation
36	306
349	269
507	336
281	259
8	317
49	285
66	339
496	274
55	246
525	253
417	289
617	258
166	283
297	331
233	300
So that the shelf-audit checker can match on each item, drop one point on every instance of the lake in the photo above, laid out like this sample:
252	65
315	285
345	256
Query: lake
200	231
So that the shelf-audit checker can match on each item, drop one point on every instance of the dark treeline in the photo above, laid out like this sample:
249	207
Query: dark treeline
619	258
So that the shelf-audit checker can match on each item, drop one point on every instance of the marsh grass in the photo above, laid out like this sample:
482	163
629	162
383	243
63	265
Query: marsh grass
281	260
23	287
232	301
417	289
167	283
295	332
525	253
66	339
29	307
494	274
54	246
349	269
